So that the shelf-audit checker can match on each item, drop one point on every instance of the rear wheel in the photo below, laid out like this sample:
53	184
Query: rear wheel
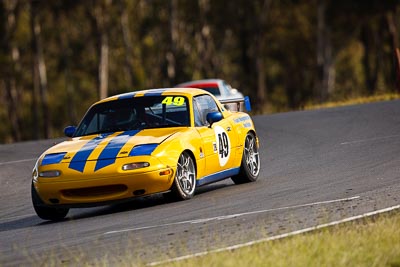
45	212
250	166
184	183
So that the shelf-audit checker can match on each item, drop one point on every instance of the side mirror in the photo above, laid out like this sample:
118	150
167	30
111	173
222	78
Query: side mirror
214	117
69	131
247	103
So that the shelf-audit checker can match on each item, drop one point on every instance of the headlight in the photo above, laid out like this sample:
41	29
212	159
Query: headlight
35	173
135	165
54	173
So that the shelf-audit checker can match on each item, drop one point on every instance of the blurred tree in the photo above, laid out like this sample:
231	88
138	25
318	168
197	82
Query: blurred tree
261	46
204	40
62	10
324	77
100	14
393	29
39	70
173	40
127	39
9	12
58	57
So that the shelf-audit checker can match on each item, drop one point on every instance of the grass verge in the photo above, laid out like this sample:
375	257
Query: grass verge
354	101
368	242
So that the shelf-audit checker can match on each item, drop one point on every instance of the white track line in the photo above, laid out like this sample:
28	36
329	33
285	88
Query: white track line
305	230
230	216
369	140
16	161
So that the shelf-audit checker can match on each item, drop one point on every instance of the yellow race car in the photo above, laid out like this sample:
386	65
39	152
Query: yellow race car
154	141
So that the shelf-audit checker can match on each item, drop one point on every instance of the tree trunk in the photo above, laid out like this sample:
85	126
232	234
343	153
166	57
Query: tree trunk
261	85
127	38
205	41
65	66
172	53
39	66
371	61
397	70
394	36
12	108
325	72
244	43
10	83
103	66
259	55
101	11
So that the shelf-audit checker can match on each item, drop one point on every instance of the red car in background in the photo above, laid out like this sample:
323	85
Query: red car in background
221	90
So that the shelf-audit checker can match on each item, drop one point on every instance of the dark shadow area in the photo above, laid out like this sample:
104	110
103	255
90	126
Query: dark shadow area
141	203
128	205
211	187
21	223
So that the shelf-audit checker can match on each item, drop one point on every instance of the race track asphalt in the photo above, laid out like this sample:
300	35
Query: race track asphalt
317	167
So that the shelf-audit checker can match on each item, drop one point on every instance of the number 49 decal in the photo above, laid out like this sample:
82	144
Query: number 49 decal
177	101
223	145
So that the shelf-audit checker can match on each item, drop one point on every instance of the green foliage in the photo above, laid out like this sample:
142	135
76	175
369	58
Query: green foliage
372	242
156	43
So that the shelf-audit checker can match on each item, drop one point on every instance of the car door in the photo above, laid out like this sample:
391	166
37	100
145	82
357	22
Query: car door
218	141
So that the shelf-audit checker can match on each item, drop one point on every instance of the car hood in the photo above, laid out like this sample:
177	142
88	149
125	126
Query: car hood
107	146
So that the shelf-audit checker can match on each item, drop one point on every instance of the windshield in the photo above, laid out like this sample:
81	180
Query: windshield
135	114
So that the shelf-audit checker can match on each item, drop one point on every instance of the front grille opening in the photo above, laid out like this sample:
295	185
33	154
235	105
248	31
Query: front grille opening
54	200
95	191
139	192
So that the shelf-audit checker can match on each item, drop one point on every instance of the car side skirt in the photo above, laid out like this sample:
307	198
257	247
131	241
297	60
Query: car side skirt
217	176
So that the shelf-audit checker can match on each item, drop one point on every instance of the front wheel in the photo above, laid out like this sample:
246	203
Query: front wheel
250	166
44	212
184	183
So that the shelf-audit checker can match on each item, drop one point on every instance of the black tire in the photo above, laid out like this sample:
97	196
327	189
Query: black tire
184	184
250	166
45	212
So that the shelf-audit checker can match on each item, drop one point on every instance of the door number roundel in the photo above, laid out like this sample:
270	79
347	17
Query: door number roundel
223	145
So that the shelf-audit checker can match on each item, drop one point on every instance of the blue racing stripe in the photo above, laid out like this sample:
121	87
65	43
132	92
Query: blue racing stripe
127	95
110	152
78	162
53	158
143	150
217	176
155	92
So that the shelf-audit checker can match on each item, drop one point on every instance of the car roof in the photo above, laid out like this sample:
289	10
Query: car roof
188	92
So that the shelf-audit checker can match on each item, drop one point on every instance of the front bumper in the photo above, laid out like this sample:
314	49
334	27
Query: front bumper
104	188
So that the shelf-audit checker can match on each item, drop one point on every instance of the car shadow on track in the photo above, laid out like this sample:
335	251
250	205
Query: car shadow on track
21	223
140	203
131	205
